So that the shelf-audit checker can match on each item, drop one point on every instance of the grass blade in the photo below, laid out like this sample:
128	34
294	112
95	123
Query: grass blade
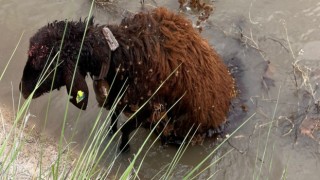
188	176
14	51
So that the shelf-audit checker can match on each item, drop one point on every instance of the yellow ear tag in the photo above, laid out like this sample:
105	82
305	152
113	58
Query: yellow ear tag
80	96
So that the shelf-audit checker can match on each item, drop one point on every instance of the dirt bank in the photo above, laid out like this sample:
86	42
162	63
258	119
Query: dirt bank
26	149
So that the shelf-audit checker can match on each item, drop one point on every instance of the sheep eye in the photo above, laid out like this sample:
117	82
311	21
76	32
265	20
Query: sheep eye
31	51
36	49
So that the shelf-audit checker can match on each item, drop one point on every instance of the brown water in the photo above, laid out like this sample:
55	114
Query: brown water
245	32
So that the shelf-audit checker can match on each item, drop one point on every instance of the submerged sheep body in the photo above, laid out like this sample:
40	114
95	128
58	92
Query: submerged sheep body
168	69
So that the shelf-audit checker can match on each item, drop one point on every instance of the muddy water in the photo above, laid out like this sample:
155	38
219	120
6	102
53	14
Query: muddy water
251	36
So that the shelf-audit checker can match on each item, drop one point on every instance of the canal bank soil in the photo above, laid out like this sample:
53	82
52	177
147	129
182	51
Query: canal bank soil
28	148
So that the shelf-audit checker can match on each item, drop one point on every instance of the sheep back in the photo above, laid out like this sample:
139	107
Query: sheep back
152	46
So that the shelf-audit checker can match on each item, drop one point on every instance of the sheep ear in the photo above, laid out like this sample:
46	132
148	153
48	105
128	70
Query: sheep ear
91	20
79	92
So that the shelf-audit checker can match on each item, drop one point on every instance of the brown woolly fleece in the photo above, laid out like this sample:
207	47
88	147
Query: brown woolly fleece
151	46
155	44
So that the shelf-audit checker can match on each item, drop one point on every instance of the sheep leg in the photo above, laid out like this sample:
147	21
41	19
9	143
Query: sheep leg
130	126
126	129
114	121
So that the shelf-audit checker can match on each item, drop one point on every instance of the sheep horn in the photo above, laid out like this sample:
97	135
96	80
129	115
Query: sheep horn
112	41
113	45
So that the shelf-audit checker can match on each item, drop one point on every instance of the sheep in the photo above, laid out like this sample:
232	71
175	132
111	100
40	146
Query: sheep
147	51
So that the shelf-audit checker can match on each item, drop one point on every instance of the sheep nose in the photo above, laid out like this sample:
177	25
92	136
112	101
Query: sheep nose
25	95
20	86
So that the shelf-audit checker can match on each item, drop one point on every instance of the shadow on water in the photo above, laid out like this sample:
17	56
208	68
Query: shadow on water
250	36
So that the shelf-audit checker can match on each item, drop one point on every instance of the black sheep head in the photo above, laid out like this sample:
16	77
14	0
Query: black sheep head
44	46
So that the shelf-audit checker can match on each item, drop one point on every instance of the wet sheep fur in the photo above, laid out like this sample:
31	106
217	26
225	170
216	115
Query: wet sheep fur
152	46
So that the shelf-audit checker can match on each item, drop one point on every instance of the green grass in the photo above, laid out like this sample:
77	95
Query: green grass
73	76
87	164
268	135
14	51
